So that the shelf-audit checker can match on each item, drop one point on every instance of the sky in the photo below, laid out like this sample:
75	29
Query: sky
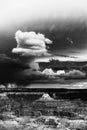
33	31
63	22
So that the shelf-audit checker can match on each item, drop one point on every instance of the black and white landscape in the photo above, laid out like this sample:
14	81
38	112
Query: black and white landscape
43	65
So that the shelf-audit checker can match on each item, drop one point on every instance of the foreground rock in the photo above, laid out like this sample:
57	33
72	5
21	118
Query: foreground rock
42	123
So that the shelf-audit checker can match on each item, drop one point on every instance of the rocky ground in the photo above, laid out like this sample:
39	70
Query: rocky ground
43	123
19	113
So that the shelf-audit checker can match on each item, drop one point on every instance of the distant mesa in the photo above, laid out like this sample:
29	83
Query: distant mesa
45	97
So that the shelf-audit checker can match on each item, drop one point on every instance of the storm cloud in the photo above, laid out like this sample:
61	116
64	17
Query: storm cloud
31	45
75	74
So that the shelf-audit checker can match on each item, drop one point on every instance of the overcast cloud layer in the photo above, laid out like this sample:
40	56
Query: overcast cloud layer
20	12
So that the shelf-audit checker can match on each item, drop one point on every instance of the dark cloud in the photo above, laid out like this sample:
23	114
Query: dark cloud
16	71
75	31
9	68
75	74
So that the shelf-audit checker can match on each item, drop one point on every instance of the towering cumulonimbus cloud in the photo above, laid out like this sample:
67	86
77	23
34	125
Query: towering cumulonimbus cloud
31	44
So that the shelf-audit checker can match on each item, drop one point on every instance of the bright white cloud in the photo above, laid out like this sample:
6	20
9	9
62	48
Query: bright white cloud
72	74
48	72
31	44
61	58
60	72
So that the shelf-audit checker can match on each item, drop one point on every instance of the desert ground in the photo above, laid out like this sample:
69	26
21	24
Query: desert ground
20	111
